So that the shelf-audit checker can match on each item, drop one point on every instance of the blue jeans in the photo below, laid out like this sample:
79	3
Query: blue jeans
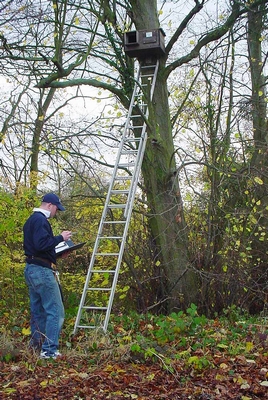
47	310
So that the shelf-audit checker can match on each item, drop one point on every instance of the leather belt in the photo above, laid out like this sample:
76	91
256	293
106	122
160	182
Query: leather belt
43	262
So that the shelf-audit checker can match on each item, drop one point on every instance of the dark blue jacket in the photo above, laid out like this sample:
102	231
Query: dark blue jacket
39	240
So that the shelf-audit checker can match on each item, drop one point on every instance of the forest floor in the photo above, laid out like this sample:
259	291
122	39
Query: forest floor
172	358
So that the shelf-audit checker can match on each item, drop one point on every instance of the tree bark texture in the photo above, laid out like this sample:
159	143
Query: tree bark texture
161	184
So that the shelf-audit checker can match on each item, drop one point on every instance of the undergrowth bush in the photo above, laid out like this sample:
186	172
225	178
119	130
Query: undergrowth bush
179	337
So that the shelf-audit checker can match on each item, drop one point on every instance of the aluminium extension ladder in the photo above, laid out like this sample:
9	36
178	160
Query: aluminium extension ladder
100	285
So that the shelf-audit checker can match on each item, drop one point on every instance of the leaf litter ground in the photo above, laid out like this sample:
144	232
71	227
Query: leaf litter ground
210	364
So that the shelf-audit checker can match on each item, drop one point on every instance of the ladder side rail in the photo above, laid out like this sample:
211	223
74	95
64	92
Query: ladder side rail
132	101
96	244
115	279
84	293
131	194
135	179
122	247
142	146
119	153
154	80
117	269
130	203
105	209
108	196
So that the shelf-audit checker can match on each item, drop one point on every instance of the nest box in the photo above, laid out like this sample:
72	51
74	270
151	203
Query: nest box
145	43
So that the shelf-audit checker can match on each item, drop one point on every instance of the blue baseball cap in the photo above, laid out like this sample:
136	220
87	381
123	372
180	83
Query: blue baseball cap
53	199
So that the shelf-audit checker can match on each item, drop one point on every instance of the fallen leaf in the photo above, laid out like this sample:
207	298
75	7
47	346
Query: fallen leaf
26	331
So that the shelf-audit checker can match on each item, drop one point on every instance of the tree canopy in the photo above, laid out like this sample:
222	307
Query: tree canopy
204	180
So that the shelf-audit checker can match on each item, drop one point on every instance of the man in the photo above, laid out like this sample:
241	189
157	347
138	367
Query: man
47	310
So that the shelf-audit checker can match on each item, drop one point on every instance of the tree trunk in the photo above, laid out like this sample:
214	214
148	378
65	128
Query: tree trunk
165	206
258	97
259	161
39	123
166	219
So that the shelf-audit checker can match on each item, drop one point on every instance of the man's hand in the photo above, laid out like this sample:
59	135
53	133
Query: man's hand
66	235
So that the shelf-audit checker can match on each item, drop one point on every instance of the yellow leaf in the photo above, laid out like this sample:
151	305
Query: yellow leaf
258	180
193	359
241	381
127	338
10	390
220	377
249	346
47	382
26	331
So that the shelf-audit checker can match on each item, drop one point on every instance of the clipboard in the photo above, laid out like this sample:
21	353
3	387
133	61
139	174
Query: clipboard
68	245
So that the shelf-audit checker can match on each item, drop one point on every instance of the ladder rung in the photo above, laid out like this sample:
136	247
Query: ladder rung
142	104
120	191
123	178
147	75
86	326
120	206
125	152
99	289
94	308
134	127
131	139
114	222
100	271
148	66
107	254
110	237
125	165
